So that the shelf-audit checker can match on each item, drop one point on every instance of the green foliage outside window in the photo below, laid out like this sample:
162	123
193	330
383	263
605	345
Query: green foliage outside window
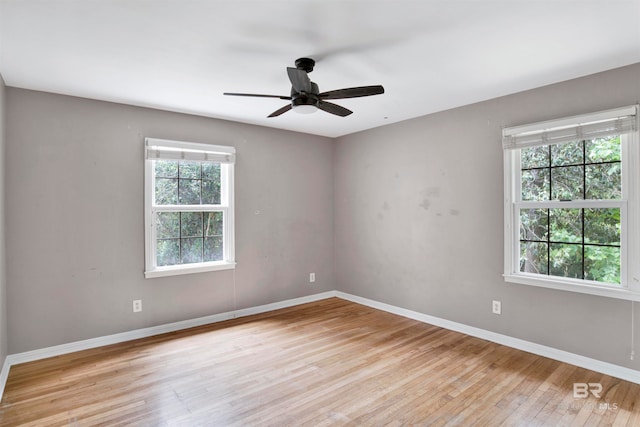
187	183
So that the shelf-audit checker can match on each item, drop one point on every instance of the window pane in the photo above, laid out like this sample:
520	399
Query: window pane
166	168
167	252
189	192
533	224
212	248
604	181
168	225
533	257
191	250
566	225
190	170
166	191
603	149
602	264
534	157
535	184
566	260
211	172
213	223
567	154
191	224
602	226
567	183
210	193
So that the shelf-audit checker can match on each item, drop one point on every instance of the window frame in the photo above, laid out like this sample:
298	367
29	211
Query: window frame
226	206
629	287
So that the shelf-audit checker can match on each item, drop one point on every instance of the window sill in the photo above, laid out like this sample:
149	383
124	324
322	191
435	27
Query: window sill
189	269
583	288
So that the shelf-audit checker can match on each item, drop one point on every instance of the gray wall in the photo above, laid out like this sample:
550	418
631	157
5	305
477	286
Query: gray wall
75	219
410	214
419	220
3	270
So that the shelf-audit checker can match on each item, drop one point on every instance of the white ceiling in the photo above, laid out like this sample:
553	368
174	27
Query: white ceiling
181	55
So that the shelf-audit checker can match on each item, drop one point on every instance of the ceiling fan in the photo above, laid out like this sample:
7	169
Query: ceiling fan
306	97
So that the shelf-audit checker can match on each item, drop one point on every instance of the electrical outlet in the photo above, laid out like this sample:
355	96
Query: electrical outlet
496	307
312	277
137	305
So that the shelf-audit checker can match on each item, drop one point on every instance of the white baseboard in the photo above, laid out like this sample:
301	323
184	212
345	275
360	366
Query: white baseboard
4	375
541	350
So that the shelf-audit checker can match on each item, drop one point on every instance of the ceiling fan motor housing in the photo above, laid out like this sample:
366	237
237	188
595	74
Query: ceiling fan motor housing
303	98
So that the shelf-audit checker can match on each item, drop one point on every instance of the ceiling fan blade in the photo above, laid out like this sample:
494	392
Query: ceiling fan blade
299	80
280	111
258	95
334	109
352	92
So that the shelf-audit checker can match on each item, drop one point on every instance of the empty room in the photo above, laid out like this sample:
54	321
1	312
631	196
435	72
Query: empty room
318	213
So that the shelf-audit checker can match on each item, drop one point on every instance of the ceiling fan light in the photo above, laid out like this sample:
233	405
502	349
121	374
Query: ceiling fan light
304	104
305	109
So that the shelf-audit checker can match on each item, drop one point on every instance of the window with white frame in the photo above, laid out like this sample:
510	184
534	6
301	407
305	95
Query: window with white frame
571	205
189	222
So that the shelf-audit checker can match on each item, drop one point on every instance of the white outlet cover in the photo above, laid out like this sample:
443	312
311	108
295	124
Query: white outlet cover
496	307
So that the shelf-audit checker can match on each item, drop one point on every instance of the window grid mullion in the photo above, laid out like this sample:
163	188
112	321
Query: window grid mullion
178	200
180	238
549	216
189	208
584	197
582	242
600	245
608	162
201	216
203	231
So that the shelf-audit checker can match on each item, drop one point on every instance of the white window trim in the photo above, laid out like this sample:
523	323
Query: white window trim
226	205
629	288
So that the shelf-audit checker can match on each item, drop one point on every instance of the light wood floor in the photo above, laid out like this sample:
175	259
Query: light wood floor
330	362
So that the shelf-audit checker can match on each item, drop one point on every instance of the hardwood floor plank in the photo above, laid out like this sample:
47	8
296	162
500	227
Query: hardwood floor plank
326	363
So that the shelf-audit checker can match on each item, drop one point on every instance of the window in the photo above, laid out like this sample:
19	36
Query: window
571	213
188	207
